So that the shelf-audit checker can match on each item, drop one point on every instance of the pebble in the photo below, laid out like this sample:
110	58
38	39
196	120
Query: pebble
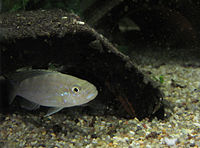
170	142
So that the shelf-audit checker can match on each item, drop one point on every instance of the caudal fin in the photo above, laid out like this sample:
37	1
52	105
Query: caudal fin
11	92
7	93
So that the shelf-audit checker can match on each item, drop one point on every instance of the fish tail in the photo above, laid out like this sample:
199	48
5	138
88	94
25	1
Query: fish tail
7	94
11	89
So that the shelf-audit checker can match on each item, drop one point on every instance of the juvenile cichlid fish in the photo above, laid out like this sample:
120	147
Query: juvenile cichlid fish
51	89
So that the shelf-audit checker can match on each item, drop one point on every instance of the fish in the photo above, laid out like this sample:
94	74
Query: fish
51	89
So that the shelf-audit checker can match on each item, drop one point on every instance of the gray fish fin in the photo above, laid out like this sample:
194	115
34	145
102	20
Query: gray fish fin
53	110
11	98
11	92
19	76
28	104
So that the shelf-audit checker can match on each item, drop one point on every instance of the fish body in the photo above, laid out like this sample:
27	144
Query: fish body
51	89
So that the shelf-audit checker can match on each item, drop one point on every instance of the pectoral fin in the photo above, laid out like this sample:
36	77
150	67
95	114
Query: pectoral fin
53	110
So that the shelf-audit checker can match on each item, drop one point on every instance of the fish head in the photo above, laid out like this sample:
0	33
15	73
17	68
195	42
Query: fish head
79	92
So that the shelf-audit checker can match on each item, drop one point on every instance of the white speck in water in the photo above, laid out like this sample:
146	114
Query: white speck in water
64	17
80	22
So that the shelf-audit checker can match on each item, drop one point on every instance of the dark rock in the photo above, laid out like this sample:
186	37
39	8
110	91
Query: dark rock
37	38
161	23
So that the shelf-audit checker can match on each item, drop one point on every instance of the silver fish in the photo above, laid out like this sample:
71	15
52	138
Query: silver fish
51	89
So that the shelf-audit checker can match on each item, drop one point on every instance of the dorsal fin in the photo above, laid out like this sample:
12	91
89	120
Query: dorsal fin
21	75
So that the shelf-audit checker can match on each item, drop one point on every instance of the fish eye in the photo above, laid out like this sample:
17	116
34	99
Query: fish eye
75	89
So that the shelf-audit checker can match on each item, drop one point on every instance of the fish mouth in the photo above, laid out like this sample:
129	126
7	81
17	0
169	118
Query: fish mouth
92	95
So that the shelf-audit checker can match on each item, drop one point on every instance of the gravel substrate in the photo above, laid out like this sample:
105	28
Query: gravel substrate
181	128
